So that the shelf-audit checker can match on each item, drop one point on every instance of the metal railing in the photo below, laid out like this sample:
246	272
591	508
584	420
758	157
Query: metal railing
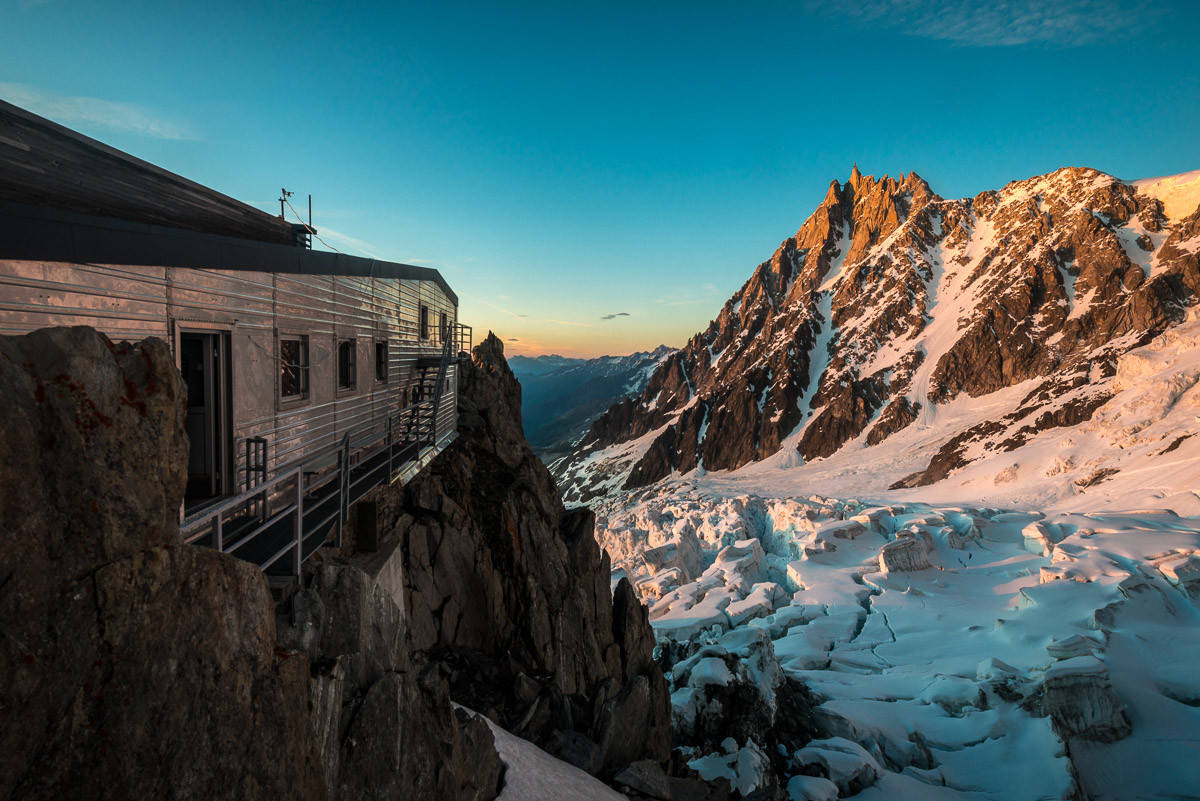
295	512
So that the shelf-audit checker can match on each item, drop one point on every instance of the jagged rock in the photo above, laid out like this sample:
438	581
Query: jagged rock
130	666
727	698
1081	703
500	581
383	717
645	777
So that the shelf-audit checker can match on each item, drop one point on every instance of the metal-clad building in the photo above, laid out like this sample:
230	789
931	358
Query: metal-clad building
288	354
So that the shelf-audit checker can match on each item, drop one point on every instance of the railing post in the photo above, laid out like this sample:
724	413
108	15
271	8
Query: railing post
219	535
341	473
298	528
343	486
389	448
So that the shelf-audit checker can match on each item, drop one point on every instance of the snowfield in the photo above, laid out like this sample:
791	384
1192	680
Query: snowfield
953	651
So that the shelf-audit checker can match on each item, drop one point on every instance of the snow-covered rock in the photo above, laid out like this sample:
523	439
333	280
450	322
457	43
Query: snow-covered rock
845	763
1081	702
906	553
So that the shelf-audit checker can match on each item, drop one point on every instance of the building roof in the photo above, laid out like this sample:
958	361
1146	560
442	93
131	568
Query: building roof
66	197
43	163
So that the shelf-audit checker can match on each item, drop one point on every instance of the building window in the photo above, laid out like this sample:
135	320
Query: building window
445	330
347	364
381	362
424	322
293	367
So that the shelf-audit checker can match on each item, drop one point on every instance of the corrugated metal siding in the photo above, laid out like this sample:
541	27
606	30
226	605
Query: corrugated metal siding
133	302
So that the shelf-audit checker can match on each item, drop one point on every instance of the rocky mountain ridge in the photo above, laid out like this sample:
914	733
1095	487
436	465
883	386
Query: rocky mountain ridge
891	302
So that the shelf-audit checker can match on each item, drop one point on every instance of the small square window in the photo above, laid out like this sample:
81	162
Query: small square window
293	367
424	322
381	362
347	364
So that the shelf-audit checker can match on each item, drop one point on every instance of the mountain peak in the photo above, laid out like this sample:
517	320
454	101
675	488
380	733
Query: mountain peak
890	302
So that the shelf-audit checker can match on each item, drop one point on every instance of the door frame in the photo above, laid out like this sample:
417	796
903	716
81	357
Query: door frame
226	483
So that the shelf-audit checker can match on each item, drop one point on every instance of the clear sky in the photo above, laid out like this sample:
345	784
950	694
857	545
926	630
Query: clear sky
564	162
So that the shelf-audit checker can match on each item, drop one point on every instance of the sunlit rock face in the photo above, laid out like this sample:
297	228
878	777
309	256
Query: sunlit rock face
891	302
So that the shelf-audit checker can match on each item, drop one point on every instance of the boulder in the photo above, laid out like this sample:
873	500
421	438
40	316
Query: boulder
645	777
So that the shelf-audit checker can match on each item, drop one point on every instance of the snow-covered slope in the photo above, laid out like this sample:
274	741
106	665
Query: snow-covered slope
948	652
905	337
530	774
1180	194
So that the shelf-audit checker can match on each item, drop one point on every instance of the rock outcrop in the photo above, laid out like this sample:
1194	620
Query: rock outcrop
1081	703
508	593
130	666
381	714
133	666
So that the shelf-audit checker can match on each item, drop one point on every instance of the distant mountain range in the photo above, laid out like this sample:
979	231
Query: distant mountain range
954	331
561	396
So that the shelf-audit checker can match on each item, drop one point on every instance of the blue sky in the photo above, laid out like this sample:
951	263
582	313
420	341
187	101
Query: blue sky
564	162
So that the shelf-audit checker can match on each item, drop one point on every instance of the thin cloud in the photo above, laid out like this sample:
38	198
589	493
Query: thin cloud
568	322
615	315
345	241
94	111
488	303
996	23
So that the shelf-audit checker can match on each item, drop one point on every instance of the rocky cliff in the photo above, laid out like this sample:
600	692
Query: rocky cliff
889	304
509	594
129	666
134	666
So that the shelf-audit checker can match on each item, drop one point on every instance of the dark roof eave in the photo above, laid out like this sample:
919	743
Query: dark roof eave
36	233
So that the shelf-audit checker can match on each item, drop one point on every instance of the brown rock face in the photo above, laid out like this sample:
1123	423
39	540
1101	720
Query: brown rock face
891	301
130	667
135	667
509	592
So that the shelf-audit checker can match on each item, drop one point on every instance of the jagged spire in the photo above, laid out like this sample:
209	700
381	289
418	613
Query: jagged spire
832	195
855	176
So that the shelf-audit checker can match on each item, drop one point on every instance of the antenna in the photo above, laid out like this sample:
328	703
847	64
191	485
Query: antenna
310	209
283	196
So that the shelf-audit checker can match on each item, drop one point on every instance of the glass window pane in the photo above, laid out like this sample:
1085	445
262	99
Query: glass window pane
290	368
